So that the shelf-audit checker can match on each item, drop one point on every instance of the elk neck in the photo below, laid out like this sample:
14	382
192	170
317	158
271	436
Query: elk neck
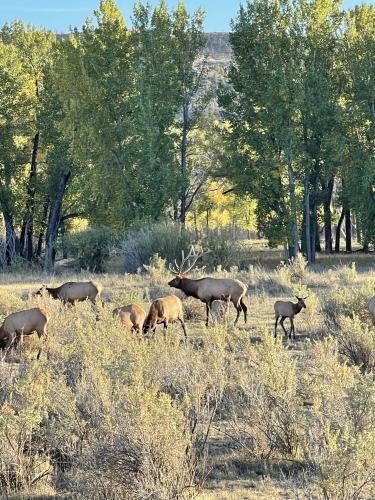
190	287
297	308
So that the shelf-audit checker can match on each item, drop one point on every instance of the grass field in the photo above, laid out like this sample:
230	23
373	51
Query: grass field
282	419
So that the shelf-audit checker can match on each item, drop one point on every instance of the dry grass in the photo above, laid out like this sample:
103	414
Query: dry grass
90	363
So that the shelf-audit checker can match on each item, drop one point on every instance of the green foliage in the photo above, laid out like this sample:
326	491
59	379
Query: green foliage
283	111
358	61
356	342
347	302
167	239
225	250
112	418
293	272
338	436
91	247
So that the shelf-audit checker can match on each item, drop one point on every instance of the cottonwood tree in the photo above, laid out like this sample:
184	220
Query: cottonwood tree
284	116
359	173
321	116
189	42
263	110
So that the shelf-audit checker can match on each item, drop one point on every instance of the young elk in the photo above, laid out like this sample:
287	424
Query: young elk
132	317
73	291
207	290
288	310
23	323
164	311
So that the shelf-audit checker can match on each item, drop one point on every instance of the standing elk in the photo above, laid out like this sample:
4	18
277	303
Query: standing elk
288	309
371	308
164	311
73	291
132	317
207	290
23	323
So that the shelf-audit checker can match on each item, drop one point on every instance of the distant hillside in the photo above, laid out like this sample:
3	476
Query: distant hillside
218	53
218	48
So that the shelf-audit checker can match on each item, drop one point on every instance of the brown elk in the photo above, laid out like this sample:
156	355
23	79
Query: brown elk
207	290
23	323
73	291
371	308
164	311
286	309
132	317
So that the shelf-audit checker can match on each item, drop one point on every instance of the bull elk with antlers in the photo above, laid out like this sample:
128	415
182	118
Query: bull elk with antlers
207	290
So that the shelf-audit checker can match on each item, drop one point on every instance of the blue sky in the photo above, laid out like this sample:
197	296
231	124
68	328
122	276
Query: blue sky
58	15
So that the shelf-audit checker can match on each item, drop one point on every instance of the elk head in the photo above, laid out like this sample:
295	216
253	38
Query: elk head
301	301
41	290
186	265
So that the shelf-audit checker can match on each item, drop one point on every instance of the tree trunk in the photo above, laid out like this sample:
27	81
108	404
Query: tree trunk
23	238
293	245
10	238
348	231
338	231
28	222
318	247
196	225
328	216
62	239
314	222
307	220
185	129
54	222
42	231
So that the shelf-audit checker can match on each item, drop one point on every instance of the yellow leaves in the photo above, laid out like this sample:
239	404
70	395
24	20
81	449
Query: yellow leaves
109	13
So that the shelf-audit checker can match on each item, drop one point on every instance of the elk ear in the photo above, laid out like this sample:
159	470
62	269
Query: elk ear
304	298
183	275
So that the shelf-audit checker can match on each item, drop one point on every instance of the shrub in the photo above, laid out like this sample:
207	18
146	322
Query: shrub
145	454
293	272
339	438
346	275
312	312
268	408
166	239
105	415
9	302
357	342
225	251
346	302
156	269
91	247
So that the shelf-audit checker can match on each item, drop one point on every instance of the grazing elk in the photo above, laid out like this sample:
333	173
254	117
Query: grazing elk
73	291
132	317
207	290
23	323
371	308
164	311
288	309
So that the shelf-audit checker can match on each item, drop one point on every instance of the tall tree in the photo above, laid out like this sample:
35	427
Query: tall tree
359	172
189	42
264	112
284	115
16	124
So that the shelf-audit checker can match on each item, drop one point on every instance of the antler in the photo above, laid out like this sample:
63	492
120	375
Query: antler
179	269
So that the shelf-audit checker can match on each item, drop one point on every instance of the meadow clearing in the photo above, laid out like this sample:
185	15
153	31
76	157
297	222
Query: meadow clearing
232	414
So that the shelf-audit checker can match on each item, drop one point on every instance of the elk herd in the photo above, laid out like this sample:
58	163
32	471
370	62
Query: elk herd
162	311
